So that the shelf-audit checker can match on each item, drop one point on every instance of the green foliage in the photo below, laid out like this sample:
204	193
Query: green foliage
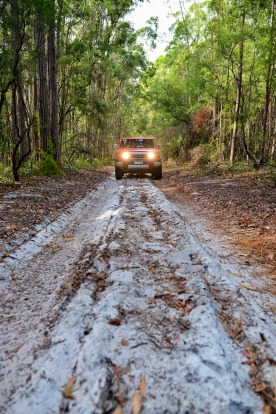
200	72
199	157
4	142
268	176
5	173
206	154
30	167
98	163
213	150
48	166
82	163
108	88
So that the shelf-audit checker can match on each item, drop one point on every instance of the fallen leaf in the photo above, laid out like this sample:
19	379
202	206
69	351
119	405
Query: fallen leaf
12	227
118	410
120	371
115	321
124	342
143	388
17	348
28	379
260	388
69	390
102	275
267	409
136	403
247	354
120	399
234	274
246	286
10	316
271	256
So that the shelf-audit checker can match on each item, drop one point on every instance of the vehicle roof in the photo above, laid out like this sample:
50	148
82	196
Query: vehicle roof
138	138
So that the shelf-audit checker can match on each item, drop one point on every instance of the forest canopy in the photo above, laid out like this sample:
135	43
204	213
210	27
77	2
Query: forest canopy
74	78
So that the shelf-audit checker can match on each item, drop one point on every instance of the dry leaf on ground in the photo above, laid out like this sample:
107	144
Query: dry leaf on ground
115	321
136	403
143	387
69	390
118	410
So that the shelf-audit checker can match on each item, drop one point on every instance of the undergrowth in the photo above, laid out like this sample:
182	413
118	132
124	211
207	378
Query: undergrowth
265	175
49	167
81	163
6	175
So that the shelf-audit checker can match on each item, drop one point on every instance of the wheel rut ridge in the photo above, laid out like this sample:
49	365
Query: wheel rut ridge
168	290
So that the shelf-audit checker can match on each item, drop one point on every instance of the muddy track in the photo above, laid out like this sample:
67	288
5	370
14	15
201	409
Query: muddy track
124	294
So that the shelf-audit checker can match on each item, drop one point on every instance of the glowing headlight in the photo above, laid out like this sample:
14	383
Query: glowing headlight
151	155
125	155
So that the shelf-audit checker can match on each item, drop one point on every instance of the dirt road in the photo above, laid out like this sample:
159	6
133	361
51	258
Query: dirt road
124	303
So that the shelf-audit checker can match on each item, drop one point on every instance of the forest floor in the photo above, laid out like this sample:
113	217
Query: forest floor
241	208
117	297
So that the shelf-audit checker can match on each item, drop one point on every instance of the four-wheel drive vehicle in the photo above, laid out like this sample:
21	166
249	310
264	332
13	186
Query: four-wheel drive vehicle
138	155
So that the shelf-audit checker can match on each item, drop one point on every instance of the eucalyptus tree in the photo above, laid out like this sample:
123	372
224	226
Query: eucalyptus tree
45	46
269	127
101	60
67	71
220	68
14	106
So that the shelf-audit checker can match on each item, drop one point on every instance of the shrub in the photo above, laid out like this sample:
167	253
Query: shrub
205	154
198	157
5	172
49	167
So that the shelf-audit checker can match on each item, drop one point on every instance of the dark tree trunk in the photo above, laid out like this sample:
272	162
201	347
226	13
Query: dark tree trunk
238	96
269	77
53	98
43	108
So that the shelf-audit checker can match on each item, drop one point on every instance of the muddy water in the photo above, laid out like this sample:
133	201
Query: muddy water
124	294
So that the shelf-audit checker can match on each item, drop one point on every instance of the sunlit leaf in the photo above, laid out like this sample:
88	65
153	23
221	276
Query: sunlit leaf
68	392
260	387
246	286
234	274
136	403
70	383
143	388
267	409
118	410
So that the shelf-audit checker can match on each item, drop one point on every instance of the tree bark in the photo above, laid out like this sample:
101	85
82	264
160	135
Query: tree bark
52	84
269	77
238	96
42	83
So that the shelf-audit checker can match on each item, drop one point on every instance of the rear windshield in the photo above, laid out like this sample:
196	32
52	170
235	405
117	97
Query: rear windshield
138	143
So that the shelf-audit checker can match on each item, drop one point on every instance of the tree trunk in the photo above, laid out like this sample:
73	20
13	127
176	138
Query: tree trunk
53	98
43	108
269	77
238	97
